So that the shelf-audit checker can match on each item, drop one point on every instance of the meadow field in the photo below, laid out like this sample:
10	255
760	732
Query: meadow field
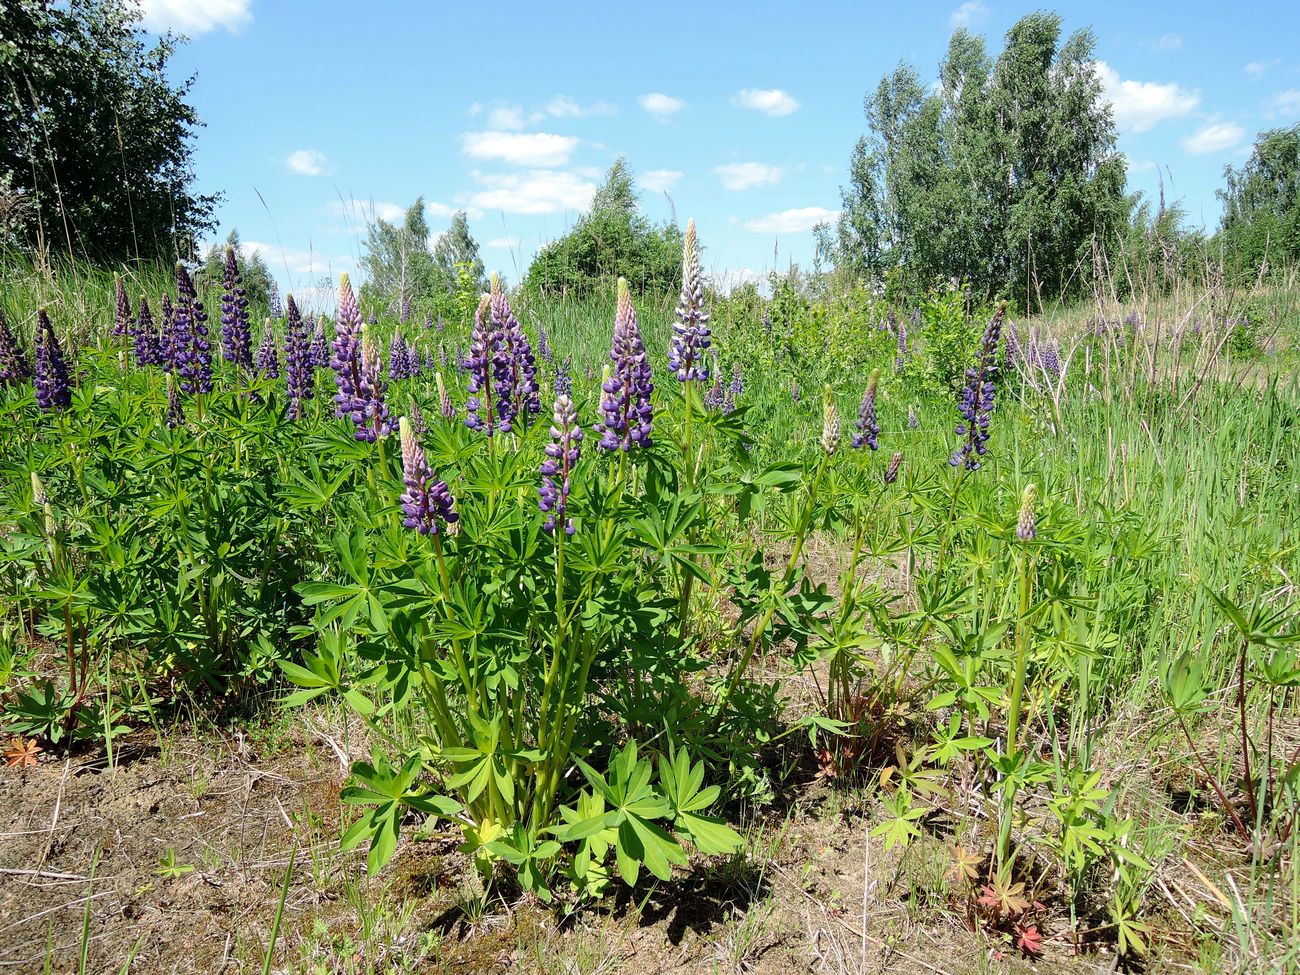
785	630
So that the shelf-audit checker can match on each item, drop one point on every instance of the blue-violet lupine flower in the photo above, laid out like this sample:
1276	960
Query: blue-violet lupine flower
413	363
867	427
564	377
396	357
320	346
148	346
628	413
479	411
13	361
275	306
122	312
561	457
370	412
53	388
913	420
268	356
236	334
976	400
189	325
345	357
300	376
426	501
515	367
691	329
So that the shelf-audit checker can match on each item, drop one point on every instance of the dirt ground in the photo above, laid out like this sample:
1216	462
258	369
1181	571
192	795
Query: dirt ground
173	860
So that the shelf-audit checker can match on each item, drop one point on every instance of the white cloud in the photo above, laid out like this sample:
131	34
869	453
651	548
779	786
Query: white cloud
661	106
791	221
195	17
732	279
1257	69
536	191
745	176
520	149
561	106
293	259
506	117
1285	103
1141	105
660	180
503	243
770	101
1140	165
367	211
1214	137
306	162
969	13
1168	42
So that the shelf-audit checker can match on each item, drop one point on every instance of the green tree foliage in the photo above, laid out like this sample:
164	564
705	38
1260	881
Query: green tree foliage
398	265
1004	174
1261	204
93	136
457	246
253	271
613	239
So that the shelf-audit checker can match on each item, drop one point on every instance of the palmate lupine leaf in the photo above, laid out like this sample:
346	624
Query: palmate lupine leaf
388	791
681	782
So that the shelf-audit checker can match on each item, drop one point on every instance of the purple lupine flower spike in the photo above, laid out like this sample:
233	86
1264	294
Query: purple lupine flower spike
14	368
628	413
976	400
122	312
148	350
274	305
691	330
479	412
373	319
413	364
445	405
564	377
405	313
53	388
175	413
515	367
268	356
429	365
346	354
236	334
370	411
320	348
396	357
426	501
299	371
544	346
716	395
194	361
561	457
913	420
867	427
895	462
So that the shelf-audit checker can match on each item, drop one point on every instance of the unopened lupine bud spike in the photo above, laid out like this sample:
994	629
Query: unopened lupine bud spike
895	462
830	421
1026	526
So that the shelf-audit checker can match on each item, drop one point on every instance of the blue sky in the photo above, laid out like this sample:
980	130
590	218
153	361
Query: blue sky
320	114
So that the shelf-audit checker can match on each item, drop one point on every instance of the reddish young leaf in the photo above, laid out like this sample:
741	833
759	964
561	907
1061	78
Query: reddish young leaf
22	753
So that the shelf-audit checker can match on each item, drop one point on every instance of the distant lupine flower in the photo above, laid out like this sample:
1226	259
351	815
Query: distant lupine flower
320	346
441	324
767	323
53	389
396	357
413	363
1049	358
868	428
167	335
564	377
299	370
428	321
268	356
148	348
1026	528
426	501
194	351
442	356
418	423
901	328
404	313
430	364
346	353
236	334
275	306
175	414
516	368
561	457
14	368
445	405
479	412
737	385
976	401
713	399
1132	320
122	312
913	421
691	329
794	392
373	319
895	462
589	372
371	412
830	421
628	414
544	346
